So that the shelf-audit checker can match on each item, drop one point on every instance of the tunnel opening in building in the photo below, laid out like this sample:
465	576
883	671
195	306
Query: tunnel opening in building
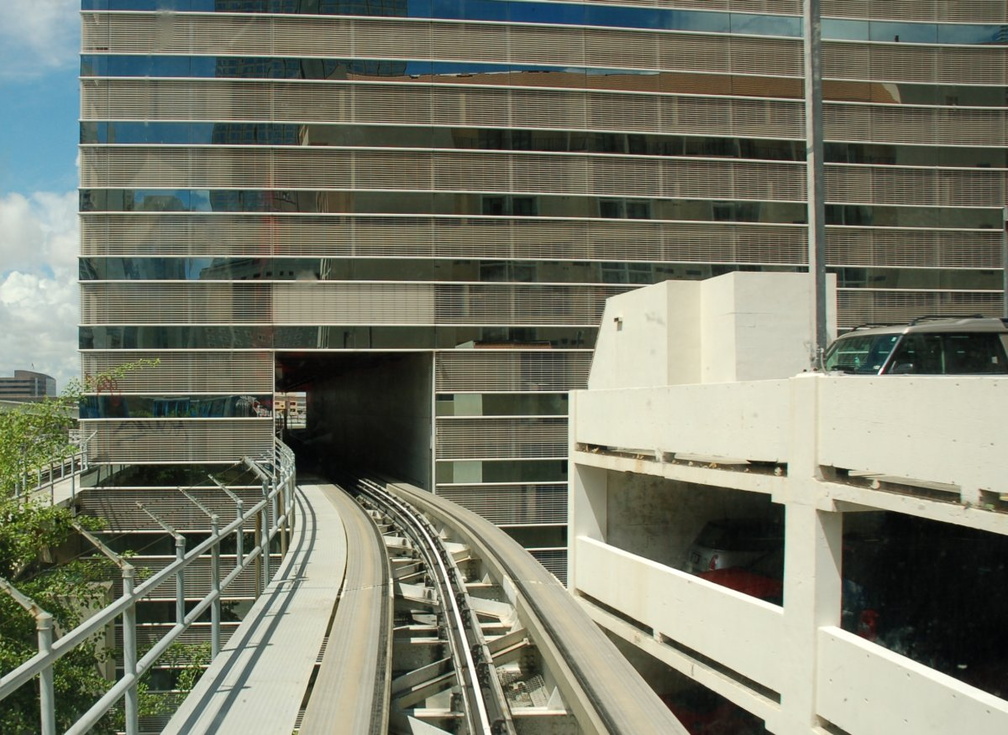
362	412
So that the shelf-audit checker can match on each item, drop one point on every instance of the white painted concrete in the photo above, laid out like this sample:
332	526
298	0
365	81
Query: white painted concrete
935	444
712	331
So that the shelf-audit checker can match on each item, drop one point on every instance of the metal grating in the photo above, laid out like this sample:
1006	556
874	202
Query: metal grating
936	187
197	577
118	506
501	438
487	370
555	561
150	633
412	170
408	38
454	104
317	303
916	125
913	248
151	441
187	372
175	303
881	63
408	236
961	11
896	307
512	504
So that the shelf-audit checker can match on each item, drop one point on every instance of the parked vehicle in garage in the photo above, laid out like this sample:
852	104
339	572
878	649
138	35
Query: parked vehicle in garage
925	346
762	578
733	542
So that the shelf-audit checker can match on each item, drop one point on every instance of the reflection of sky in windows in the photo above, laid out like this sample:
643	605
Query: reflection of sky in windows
593	14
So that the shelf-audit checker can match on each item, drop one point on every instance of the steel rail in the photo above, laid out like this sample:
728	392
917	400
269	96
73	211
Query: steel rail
604	692
485	708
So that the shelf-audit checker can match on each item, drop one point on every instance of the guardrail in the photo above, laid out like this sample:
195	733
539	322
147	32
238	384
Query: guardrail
44	479
275	516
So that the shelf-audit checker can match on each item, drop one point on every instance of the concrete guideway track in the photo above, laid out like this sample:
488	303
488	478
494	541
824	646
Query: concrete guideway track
484	708
604	692
359	647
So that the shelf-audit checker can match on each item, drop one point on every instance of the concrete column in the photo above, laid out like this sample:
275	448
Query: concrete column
812	565
586	500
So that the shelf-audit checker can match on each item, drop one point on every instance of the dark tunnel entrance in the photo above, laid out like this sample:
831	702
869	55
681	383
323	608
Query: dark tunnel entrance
362	411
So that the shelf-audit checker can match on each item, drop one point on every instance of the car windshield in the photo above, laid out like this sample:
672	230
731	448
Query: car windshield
860	353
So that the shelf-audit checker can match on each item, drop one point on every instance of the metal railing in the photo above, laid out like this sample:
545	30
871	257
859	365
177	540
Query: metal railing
44	479
271	515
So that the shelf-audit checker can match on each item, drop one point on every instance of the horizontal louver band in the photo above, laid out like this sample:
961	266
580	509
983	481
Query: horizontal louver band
143	167
185	372
856	307
119	509
455	106
164	235
417	39
511	504
958	11
489	370
320	303
501	438
155	441
449	171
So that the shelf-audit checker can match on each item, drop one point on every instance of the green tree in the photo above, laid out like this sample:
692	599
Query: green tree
31	534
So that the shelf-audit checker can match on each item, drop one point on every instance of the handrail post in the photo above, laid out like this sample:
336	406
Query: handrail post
132	698
215	608
264	537
240	531
240	534
180	544
47	693
274	507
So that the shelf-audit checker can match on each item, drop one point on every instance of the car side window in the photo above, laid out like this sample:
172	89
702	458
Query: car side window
974	354
949	354
918	354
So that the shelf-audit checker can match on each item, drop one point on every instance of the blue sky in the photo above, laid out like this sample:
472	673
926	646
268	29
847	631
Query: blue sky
39	108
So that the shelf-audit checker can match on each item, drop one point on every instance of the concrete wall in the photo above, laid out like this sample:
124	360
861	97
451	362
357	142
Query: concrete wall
712	331
652	461
657	519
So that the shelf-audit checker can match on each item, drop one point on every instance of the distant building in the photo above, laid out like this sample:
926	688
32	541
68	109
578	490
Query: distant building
27	385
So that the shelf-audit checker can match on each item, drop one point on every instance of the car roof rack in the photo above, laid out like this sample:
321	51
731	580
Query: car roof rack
874	325
940	317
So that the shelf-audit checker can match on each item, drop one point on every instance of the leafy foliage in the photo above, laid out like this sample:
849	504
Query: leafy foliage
37	557
35	434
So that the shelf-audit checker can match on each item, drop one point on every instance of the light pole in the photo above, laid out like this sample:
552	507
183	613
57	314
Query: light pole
815	182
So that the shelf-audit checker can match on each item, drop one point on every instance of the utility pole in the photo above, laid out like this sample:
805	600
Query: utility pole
815	181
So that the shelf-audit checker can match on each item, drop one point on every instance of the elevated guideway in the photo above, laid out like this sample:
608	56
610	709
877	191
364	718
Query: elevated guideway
478	638
599	687
329	601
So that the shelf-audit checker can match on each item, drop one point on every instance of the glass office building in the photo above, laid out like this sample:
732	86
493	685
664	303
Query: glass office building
413	210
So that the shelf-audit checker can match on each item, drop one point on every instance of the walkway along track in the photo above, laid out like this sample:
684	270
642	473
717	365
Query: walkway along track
360	632
328	650
329	607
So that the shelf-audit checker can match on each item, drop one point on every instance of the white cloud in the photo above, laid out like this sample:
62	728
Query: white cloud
37	36
39	303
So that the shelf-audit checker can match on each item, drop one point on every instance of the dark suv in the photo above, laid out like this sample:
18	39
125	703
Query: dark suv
925	346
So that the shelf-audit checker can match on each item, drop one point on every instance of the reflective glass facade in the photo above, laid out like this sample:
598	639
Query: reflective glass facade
466	182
